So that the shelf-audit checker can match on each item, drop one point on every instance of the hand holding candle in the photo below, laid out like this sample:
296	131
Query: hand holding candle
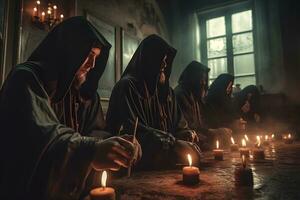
218	153
103	193
190	173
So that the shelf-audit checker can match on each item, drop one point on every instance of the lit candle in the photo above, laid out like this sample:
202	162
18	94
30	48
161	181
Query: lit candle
54	11
190	173
233	146
218	153
103	193
266	141
258	152
43	17
243	175
244	150
38	3
34	12
288	139
246	137
49	14
61	17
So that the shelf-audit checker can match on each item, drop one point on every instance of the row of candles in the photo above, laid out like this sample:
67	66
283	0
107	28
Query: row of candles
191	174
51	13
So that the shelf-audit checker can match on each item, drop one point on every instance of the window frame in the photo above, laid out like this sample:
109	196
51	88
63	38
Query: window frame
227	11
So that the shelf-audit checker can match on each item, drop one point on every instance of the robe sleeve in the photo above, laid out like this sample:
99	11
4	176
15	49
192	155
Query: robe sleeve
91	115
190	114
63	157
123	109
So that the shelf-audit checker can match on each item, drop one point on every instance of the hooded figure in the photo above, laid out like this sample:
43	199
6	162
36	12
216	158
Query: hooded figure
190	92
144	93
247	102
42	155
219	107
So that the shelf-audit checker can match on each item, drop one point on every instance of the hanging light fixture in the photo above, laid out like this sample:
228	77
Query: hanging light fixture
46	17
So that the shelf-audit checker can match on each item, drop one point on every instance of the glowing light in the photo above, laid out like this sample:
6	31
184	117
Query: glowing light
103	179
243	142
232	140
217	144
246	137
189	157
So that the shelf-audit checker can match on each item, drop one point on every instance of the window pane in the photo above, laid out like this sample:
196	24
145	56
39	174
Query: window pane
242	21
217	67
245	81
216	47
215	27
244	64
242	43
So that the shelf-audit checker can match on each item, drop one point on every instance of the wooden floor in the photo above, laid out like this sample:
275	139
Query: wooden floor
277	177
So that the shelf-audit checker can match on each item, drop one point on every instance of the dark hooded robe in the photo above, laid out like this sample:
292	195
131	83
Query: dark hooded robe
188	95
219	106
138	94
42	156
250	94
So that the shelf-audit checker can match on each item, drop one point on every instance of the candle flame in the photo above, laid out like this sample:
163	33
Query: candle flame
289	135
217	144
232	140
246	137
49	12
43	13
189	157
273	136
61	16
38	2
34	9
243	142
266	137
258	138
54	7
103	179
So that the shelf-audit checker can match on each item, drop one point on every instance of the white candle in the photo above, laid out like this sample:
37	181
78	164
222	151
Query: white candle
54	11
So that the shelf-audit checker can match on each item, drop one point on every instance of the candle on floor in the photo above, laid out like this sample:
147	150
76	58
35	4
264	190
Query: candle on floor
103	193
273	137
190	173
266	141
244	150
258	152
218	153
246	137
233	146
243	175
288	139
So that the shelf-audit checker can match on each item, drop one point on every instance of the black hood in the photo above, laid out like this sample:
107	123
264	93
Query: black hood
217	90
65	49
242	96
192	75
146	62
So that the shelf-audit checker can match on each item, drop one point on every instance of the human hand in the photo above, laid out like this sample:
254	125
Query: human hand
113	153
